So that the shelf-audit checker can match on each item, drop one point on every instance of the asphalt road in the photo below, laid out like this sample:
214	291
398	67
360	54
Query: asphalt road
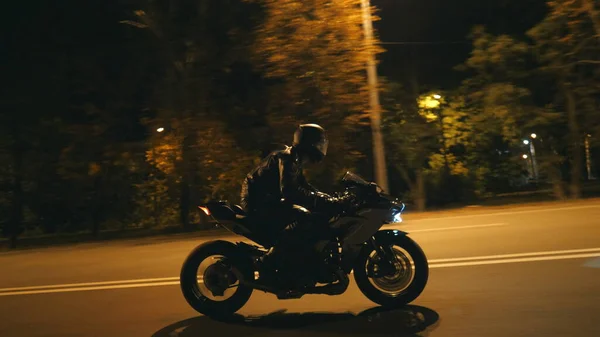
527	271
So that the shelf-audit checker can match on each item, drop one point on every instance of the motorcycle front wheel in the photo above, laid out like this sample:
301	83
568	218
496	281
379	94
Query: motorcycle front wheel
404	285
210	276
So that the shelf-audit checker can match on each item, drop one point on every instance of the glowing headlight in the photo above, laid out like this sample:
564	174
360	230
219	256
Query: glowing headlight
397	218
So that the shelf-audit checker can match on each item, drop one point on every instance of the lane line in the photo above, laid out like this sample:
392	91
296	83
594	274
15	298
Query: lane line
528	259
64	290
503	256
453	228
69	285
435	263
549	209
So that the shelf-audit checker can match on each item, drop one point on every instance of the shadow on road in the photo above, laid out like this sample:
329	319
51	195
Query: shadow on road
407	321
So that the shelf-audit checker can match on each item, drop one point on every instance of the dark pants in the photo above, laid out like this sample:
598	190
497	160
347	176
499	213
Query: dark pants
292	228
280	218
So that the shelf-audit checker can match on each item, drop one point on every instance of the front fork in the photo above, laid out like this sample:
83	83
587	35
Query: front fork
385	263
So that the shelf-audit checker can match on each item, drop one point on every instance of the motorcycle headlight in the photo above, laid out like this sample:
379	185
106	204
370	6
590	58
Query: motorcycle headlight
397	217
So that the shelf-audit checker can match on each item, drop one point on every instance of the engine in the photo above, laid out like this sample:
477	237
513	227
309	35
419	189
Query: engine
331	259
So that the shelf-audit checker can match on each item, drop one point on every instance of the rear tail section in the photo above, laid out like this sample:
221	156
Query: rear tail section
221	211
233	218
205	210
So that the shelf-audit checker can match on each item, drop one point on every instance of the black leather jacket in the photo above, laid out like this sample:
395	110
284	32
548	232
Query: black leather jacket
279	176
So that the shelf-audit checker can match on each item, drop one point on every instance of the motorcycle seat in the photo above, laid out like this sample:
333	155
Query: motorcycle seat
240	214
238	210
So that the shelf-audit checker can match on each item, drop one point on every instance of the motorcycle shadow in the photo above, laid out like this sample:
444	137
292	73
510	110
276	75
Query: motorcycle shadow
377	321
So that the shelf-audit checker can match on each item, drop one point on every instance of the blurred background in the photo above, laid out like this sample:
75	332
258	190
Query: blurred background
123	116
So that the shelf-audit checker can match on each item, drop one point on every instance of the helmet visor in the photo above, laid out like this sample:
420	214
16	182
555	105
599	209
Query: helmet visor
322	145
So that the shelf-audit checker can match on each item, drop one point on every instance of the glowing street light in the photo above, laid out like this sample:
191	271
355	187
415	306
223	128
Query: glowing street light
533	135
528	163
436	96
160	129
526	141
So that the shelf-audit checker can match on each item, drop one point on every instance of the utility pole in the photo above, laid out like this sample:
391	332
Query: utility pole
375	113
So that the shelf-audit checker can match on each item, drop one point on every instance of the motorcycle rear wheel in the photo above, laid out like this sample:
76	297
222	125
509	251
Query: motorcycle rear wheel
220	277
398	289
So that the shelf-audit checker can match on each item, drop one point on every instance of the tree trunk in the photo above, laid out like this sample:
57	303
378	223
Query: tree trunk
15	225
557	185
184	199
185	105
420	191
550	162
575	143
96	206
184	203
417	188
187	180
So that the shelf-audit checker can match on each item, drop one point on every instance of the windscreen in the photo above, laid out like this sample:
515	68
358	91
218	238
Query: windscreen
349	176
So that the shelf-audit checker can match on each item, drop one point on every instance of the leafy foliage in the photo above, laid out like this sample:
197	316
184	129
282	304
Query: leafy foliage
228	81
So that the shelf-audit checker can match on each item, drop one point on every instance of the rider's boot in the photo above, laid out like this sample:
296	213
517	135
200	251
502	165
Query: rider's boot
270	265
274	262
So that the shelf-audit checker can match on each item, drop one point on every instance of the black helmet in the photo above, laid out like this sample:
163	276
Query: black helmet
311	139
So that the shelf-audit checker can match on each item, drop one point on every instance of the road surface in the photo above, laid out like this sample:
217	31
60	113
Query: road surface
527	271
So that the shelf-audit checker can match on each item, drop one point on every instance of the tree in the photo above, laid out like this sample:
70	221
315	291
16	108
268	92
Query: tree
22	118
315	53
203	55
568	49
506	98
411	140
581	10
493	118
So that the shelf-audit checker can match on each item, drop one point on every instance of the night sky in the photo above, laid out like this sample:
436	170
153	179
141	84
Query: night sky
433	30
437	31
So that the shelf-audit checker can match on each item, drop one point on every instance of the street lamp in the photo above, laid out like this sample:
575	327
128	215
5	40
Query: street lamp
378	148
161	129
529	164
532	151
436	96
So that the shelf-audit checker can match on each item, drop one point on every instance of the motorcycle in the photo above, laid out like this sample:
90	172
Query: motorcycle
389	268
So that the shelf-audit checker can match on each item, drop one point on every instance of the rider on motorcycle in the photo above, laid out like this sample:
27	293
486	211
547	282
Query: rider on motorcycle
277	195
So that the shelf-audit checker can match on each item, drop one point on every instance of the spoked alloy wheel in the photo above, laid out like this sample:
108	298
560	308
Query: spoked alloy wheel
215	279
403	283
396	283
210	279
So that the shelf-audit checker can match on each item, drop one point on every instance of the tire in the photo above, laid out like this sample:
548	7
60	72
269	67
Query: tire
410	293
189	283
